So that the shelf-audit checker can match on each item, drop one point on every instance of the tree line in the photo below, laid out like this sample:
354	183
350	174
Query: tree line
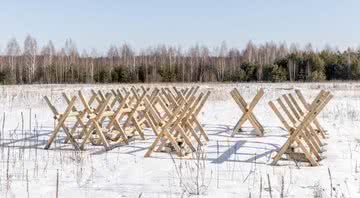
265	62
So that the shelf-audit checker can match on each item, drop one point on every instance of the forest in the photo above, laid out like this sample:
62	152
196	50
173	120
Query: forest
268	62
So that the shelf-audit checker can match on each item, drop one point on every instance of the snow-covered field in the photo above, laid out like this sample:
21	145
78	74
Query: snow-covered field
233	167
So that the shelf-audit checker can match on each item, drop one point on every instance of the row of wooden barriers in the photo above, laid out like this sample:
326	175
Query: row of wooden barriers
114	118
305	134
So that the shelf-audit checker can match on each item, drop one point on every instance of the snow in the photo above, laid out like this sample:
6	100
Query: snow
234	166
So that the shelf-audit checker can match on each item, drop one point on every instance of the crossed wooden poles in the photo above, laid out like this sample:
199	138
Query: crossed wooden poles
113	118
116	117
179	113
298	117
247	110
305	133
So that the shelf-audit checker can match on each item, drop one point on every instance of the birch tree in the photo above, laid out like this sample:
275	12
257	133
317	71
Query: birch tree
113	56
12	52
48	54
72	55
30	52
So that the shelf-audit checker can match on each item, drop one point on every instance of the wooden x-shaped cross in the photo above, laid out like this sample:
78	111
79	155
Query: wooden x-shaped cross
247	109
61	118
299	128
307	106
170	126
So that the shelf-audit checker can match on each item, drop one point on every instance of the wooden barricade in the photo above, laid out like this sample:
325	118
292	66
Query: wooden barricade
304	142
95	119
112	118
306	105
115	107
179	128
247	110
60	119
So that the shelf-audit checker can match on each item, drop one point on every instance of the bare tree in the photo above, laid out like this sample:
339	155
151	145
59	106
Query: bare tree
72	56
292	64
221	63
48	54
197	63
12	52
249	53
194	54
114	58
30	52
282	51
205	71
93	55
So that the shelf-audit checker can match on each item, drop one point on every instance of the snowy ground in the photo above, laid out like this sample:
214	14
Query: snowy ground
234	167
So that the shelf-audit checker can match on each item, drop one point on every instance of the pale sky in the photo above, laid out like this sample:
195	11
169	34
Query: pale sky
98	24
